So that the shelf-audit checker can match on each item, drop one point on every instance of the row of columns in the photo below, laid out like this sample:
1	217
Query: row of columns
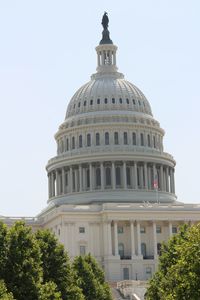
135	243
81	178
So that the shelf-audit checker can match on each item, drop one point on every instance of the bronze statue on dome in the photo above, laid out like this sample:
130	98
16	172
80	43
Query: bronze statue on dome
105	21
105	34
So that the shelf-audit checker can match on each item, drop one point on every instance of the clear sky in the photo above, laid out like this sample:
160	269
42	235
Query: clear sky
47	53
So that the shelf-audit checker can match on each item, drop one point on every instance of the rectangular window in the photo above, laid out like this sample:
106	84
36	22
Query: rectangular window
120	229
142	229
82	250
174	229
148	270
81	229
158	229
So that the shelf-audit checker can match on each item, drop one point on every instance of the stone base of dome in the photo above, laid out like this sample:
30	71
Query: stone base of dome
117	196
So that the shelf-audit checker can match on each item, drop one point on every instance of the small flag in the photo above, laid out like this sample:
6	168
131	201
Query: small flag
155	182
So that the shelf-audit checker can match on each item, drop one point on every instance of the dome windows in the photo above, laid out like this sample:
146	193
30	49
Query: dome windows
134	138
141	139
106	138
88	139
80	141
97	139
148	140
125	138
116	138
73	142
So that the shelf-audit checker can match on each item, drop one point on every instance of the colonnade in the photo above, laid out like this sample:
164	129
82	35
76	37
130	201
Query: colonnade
111	175
136	249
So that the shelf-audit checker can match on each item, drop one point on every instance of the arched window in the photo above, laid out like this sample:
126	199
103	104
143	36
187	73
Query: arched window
128	176
141	139
88	140
88	178
80	141
159	248
120	100
118	176
108	176
85	102
149	140
154	141
79	104
97	139
125	138
113	100
121	250
105	100
106	138
116	138
91	102
67	144
134	101
73	142
98	101
144	249
98	177
134	138
127	100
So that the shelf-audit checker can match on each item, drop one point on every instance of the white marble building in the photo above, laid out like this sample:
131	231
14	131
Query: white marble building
111	185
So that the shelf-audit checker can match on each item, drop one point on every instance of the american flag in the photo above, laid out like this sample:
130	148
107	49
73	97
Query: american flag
155	182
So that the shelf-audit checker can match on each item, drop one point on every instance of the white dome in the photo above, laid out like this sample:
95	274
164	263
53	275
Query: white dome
111	92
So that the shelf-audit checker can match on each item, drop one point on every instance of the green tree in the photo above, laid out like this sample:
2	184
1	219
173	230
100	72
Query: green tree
3	248
49	291
178	275
23	272
56	266
99	275
91	287
4	295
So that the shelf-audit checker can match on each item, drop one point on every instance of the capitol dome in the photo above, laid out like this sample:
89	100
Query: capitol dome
110	147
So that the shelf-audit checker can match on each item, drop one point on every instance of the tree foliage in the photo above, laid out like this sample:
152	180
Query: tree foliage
34	266
49	291
4	295
178	275
23	270
56	266
91	279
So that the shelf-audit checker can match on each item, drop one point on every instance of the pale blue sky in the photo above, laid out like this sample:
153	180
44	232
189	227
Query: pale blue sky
47	53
